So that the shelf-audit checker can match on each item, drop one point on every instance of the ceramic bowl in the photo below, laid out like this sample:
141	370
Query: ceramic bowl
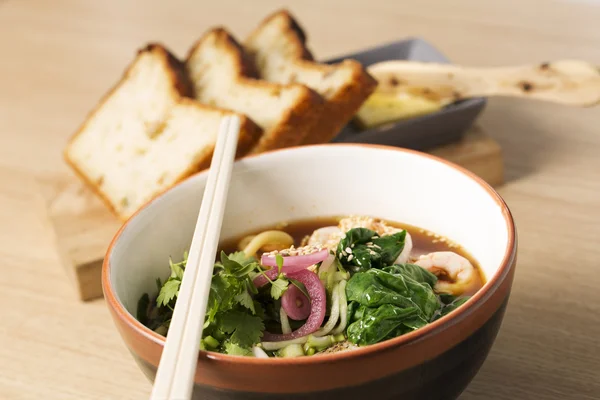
434	362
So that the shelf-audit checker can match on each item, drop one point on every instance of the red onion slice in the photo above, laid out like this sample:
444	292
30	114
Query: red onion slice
261	280
291	264
295	263
318	298
295	303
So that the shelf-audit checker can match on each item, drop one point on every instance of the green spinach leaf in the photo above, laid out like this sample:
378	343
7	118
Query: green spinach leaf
389	247
376	324
376	287
446	298
413	271
362	249
448	308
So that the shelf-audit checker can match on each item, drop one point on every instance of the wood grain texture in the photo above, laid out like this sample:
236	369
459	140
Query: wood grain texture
64	54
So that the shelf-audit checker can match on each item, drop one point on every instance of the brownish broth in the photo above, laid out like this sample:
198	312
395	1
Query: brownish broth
423	241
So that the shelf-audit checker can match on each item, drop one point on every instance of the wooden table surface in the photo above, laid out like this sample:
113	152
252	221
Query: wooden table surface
58	57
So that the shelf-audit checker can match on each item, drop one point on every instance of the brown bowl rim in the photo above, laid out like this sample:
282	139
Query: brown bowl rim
430	329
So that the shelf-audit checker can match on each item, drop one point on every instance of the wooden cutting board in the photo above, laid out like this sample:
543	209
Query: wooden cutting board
84	227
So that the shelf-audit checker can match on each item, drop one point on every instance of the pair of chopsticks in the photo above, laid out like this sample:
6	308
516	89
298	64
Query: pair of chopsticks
175	375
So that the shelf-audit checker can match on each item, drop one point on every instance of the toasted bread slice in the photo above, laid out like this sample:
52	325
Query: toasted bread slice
222	76
145	136
278	48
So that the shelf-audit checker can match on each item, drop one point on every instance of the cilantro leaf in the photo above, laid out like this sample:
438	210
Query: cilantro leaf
250	285
279	287
168	292
245	329
279	262
236	350
177	269
223	289
240	258
245	299
236	268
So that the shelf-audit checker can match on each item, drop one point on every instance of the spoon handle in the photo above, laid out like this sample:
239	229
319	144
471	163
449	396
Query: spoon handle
569	82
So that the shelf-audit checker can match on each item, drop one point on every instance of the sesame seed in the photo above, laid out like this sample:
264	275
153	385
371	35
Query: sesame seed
348	250
350	257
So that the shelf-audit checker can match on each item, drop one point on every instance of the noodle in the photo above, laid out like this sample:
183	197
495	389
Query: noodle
343	309
285	322
335	313
244	242
281	238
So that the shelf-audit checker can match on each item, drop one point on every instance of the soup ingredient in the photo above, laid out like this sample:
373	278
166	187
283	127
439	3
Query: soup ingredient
277	238
334	314
170	289
413	271
386	321
285	322
389	304
451	306
340	346
343	309
377	287
296	304
374	224
362	249
404	256
381	108
292	351
259	353
302	301
317	295
233	323
456	268
327	268
328	236
296	259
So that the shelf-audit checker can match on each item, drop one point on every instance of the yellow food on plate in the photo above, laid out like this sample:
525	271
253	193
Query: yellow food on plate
384	107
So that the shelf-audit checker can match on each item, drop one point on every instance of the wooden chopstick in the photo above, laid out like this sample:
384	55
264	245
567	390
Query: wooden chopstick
175	374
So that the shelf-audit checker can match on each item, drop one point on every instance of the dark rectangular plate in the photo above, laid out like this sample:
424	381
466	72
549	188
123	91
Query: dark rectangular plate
420	133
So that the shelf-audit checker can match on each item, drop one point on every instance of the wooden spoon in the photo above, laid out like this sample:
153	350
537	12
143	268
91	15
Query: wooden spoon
569	82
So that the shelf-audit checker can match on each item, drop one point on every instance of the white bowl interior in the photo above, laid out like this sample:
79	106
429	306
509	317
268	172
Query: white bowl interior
310	182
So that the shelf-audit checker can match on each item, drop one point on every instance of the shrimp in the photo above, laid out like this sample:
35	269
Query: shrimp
459	271
328	237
